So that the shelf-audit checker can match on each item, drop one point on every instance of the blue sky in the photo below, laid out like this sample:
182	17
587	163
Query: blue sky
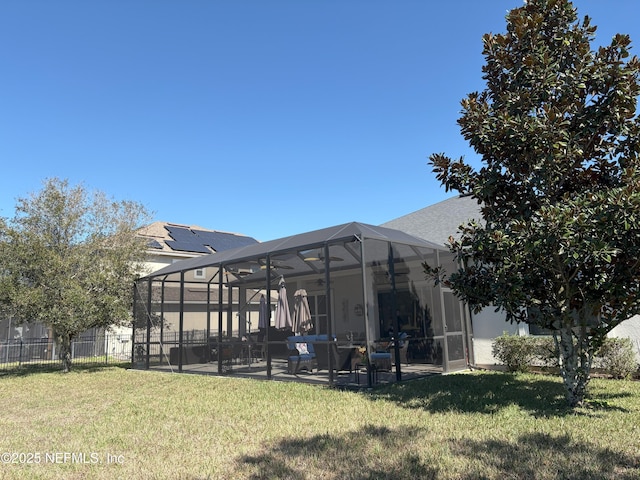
263	117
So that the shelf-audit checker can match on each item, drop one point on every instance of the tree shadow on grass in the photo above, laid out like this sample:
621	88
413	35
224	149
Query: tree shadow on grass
541	396
542	456
371	453
409	453
25	370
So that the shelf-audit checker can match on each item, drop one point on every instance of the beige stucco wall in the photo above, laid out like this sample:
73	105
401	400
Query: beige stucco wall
629	329
487	325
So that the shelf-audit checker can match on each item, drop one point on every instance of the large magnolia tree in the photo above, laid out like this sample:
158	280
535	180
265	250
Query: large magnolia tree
68	260
558	134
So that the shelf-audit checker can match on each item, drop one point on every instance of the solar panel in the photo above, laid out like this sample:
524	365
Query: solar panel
154	244
224	241
187	240
181	234
188	246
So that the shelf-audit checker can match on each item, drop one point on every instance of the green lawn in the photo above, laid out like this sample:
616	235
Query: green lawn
114	423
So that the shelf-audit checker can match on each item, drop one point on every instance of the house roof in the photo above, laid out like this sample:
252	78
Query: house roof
175	238
437	222
310	240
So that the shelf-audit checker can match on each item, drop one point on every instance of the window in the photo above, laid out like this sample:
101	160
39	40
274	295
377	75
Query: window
538	330
200	273
318	310
534	329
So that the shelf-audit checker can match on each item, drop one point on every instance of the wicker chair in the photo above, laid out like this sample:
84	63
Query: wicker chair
341	359
403	353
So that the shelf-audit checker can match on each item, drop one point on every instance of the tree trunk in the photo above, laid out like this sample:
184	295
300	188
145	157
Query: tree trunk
64	343
575	362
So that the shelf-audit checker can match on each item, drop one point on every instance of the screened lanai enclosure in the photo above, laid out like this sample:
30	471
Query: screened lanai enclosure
345	305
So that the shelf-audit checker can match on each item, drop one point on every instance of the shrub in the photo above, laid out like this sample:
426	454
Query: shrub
617	357
546	351
515	352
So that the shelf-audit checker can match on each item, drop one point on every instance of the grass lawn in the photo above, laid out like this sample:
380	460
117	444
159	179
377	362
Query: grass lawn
113	423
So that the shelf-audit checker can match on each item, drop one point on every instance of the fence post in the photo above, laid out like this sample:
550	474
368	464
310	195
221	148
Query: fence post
106	349
20	353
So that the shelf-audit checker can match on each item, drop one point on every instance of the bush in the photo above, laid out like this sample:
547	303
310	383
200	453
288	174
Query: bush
617	357
515	352
546	351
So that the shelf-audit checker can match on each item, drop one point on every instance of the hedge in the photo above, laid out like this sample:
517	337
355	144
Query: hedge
616	356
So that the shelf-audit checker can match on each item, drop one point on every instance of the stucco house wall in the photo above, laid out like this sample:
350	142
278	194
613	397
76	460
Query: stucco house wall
629	329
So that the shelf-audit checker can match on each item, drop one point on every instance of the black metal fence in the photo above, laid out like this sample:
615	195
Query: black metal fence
160	346
97	349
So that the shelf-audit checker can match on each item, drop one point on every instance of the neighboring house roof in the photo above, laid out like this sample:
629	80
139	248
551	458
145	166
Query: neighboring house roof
173	238
437	222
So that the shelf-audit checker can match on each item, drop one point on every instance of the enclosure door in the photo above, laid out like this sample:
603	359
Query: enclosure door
454	331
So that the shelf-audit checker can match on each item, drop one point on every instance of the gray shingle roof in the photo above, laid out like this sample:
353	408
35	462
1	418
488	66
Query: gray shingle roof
330	235
437	222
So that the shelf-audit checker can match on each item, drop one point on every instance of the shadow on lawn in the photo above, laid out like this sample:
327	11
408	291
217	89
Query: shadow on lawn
24	370
372	453
409	453
541	395
542	456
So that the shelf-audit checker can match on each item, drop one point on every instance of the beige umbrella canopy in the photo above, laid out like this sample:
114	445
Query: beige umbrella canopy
301	313
283	315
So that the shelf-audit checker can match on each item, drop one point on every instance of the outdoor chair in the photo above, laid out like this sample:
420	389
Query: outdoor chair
380	358
404	345
341	358
237	351
380	361
302	355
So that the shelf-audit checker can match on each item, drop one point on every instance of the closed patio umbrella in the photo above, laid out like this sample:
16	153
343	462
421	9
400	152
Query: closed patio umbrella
283	315
262	313
301	312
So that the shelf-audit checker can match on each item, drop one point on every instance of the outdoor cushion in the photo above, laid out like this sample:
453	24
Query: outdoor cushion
294	341
305	357
301	360
302	357
308	339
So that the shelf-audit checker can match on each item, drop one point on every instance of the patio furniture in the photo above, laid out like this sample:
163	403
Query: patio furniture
340	357
226	357
190	354
403	342
359	364
380	361
403	352
245	351
278	347
380	358
302	354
